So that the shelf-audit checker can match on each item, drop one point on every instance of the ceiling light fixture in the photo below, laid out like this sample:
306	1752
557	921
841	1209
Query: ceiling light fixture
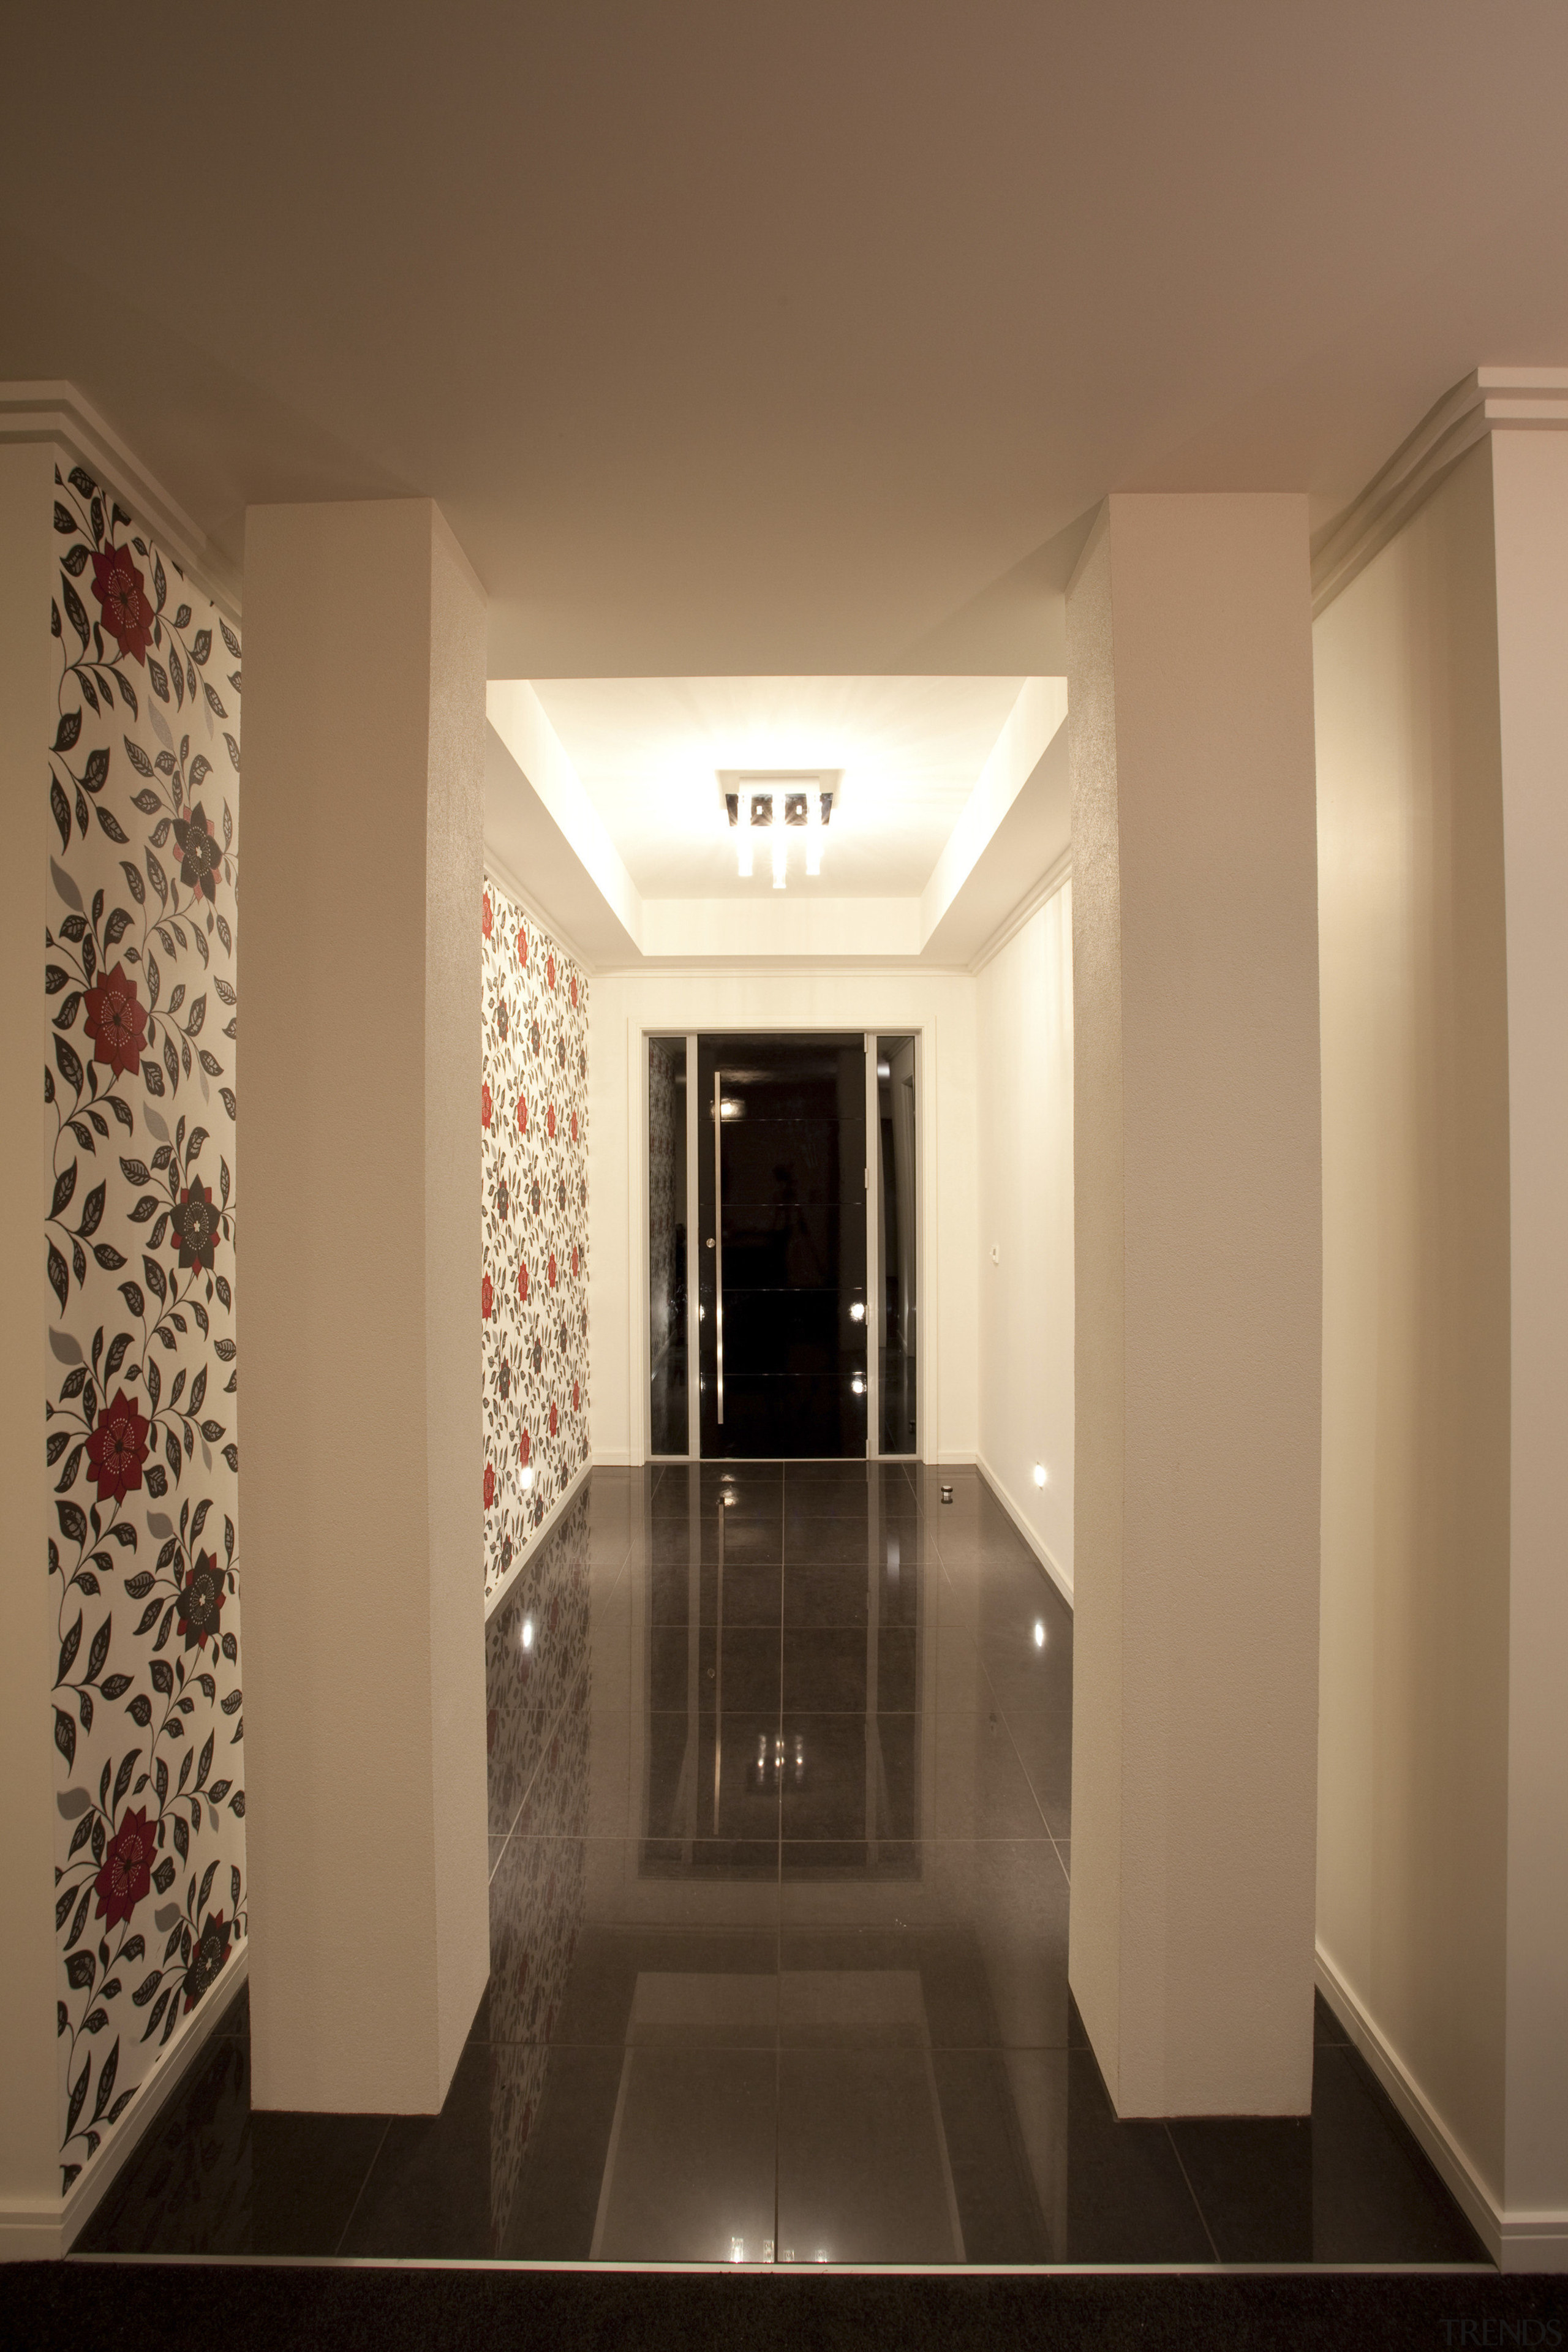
778	804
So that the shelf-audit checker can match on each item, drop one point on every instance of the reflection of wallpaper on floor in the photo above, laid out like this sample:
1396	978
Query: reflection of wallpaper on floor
538	1691
140	1455
534	1303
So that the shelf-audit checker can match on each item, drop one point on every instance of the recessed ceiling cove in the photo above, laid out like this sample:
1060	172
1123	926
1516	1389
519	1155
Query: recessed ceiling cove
906	753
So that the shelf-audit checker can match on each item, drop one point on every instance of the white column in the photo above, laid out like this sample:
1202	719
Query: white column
360	1244
1197	1189
29	2141
1529	490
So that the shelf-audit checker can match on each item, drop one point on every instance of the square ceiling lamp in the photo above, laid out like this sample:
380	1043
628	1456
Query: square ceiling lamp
777	804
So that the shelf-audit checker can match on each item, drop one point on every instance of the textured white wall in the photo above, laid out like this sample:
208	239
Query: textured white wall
365	731
1531	497
1196	1063
623	1005
1412	1797
1024	1040
30	2144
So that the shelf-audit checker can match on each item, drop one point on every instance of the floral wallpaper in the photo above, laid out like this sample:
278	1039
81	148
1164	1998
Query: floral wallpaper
140	1450
533	1299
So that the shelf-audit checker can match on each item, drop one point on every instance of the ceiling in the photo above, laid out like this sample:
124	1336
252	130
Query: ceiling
776	341
647	752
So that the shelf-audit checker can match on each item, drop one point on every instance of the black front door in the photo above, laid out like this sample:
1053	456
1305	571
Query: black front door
781	1281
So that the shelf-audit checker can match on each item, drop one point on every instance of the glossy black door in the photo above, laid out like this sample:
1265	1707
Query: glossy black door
790	1241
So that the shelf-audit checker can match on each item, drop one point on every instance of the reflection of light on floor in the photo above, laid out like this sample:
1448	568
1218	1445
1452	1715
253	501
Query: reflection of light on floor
1039	1634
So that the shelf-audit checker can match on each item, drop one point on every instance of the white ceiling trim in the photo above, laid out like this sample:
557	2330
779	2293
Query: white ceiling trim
497	870
1492	400
57	412
1038	712
519	717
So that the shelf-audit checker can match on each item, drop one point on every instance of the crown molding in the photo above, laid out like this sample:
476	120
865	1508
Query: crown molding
500	872
1029	905
57	412
1492	400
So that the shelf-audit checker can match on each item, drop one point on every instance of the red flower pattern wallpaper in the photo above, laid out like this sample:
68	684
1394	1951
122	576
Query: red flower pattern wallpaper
533	1312
141	1446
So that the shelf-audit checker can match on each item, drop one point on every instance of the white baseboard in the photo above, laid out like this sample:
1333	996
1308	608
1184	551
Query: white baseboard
614	1457
41	2230
1516	2241
561	1503
1042	1551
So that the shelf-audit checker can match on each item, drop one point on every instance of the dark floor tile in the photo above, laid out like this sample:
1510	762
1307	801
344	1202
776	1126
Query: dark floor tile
830	1542
1044	1744
215	2179
739	1668
1127	2199
559	2106
747	1592
679	1793
847	1776
1252	2177
985	1928
830	1670
718	1537
428	2193
1326	2026
689	2174
1375	2197
518	1736
1005	2118
838	1599
979	1786
863	2169
234	2020
825	1670
1028	1679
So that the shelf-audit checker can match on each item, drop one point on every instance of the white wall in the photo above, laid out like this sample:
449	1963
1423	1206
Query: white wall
1198	1281
1025	1037
625	1004
29	2142
366	1324
1530	513
1412	1833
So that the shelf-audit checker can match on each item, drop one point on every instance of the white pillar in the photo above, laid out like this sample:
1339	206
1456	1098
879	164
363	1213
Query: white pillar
1530	492
361	1245
29	2142
1197	1189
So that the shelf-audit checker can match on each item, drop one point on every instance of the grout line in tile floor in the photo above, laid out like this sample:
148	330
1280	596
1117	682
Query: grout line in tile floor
359	2193
1192	2193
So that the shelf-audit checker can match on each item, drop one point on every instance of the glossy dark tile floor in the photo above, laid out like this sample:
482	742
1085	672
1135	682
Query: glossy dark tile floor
780	1791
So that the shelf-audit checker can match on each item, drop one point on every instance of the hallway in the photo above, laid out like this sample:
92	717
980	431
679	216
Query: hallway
780	1765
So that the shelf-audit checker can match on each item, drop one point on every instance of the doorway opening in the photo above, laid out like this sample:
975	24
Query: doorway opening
783	1245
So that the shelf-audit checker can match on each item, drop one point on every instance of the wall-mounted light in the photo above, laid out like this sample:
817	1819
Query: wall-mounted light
858	1385
858	1312
527	1480
528	1633
1039	1634
1039	1473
